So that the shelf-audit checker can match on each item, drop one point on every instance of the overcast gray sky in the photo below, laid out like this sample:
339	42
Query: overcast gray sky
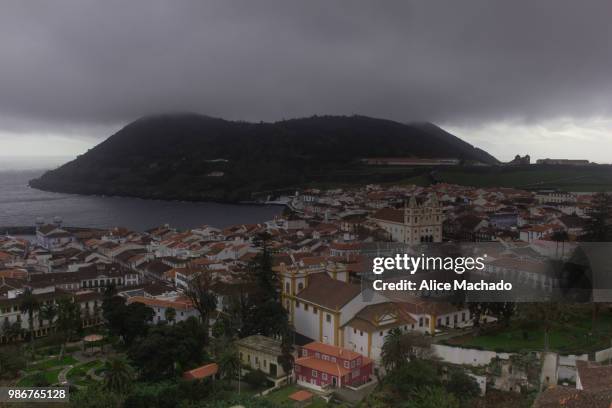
509	76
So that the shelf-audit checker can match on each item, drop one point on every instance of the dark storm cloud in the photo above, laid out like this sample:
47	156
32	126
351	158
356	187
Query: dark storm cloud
107	62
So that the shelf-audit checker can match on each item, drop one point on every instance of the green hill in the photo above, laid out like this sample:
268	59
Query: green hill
196	157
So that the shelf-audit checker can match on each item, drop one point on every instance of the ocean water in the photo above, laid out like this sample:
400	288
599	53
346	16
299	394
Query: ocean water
21	205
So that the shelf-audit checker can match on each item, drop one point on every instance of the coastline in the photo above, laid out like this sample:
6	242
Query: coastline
160	198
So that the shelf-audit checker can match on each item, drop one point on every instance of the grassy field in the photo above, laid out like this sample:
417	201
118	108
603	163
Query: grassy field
78	374
281	396
572	337
567	178
49	375
51	362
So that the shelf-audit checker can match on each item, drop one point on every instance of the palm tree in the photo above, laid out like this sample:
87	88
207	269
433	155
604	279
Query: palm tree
399	347
286	359
68	320
170	314
48	312
12	331
118	376
30	305
229	364
394	352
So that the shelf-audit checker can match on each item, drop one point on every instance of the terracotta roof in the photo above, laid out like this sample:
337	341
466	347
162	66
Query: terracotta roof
327	292
322	366
565	397
331	350
389	214
301	396
594	376
204	371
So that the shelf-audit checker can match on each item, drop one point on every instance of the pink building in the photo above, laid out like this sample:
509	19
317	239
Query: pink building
322	365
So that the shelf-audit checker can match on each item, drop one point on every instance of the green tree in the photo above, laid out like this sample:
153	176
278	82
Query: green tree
266	280
262	313
462	385
118	376
11	362
286	359
432	397
399	347
127	321
166	351
405	378
95	396
29	304
545	314
256	378
12	331
229	363
203	298
170	315
69	322
48	312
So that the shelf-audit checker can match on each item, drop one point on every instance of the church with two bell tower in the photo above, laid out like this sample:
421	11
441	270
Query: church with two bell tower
414	224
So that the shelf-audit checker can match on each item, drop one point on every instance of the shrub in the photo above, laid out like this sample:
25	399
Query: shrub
256	378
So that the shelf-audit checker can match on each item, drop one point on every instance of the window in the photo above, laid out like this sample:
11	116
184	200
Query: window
328	318
314	373
305	306
325	357
353	364
463	317
287	287
333	359
317	355
304	353
314	310
381	334
346	364
420	322
324	376
297	304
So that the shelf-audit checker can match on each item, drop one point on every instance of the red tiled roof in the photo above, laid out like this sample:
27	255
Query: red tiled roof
324	291
332	350
323	366
201	372
389	214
